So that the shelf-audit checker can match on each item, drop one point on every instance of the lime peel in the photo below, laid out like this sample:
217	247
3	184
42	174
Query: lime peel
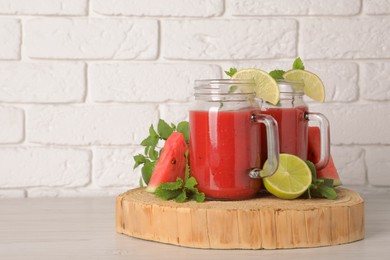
266	87
292	178
314	88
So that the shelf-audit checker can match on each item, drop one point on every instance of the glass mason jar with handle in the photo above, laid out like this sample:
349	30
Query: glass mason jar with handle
225	151
293	117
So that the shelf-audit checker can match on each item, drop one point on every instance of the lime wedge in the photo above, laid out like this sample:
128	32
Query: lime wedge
266	87
291	179
314	88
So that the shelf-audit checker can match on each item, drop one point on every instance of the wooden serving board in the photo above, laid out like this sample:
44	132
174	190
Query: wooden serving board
264	222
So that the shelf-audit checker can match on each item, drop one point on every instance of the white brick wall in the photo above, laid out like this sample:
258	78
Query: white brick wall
42	82
44	7
82	80
91	38
228	39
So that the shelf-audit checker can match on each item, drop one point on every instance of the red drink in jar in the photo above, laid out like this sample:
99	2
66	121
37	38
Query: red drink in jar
292	125
293	116
225	141
224	146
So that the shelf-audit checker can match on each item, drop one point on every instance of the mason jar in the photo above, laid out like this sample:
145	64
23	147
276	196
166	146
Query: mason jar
225	136
293	117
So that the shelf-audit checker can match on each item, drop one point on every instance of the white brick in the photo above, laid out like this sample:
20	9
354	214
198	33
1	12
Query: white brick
293	7
350	163
43	7
11	125
175	112
83	38
228	40
32	166
378	165
146	82
340	78
86	125
113	167
179	8
374	81
357	123
42	82
5	194
10	38
376	7
345	38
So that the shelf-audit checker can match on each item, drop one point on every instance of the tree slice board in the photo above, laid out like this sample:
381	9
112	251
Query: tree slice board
264	222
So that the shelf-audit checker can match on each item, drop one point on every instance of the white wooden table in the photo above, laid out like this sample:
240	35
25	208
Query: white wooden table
83	228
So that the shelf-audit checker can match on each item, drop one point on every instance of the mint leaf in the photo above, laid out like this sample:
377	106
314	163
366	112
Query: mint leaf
147	170
298	64
313	170
190	184
178	184
139	159
184	128
198	197
232	89
152	132
277	74
164	130
182	197
320	187
153	154
169	190
327	192
327	182
141	183
150	141
231	72
166	194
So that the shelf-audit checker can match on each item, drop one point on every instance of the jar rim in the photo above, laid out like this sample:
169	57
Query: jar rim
213	82
224	90
290	86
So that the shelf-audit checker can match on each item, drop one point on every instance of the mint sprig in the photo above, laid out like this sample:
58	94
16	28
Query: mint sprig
152	150
277	74
320	187
231	72
298	64
180	190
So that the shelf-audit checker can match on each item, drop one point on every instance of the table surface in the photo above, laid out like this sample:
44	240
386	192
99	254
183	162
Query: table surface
84	228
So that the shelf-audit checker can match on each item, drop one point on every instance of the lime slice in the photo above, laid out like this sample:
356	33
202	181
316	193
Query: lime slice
314	88
266	86
291	179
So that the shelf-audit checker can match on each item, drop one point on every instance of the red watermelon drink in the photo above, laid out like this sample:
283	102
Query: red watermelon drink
224	146
225	140
292	125
293	116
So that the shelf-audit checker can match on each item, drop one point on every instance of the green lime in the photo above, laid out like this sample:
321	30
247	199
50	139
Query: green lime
291	179
266	87
314	88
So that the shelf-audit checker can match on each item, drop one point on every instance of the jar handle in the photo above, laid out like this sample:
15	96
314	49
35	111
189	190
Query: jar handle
324	138
272	146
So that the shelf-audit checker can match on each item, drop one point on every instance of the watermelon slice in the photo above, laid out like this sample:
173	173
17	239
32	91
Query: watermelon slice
172	162
313	155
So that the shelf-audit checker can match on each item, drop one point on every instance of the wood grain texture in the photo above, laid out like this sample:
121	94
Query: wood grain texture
261	223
